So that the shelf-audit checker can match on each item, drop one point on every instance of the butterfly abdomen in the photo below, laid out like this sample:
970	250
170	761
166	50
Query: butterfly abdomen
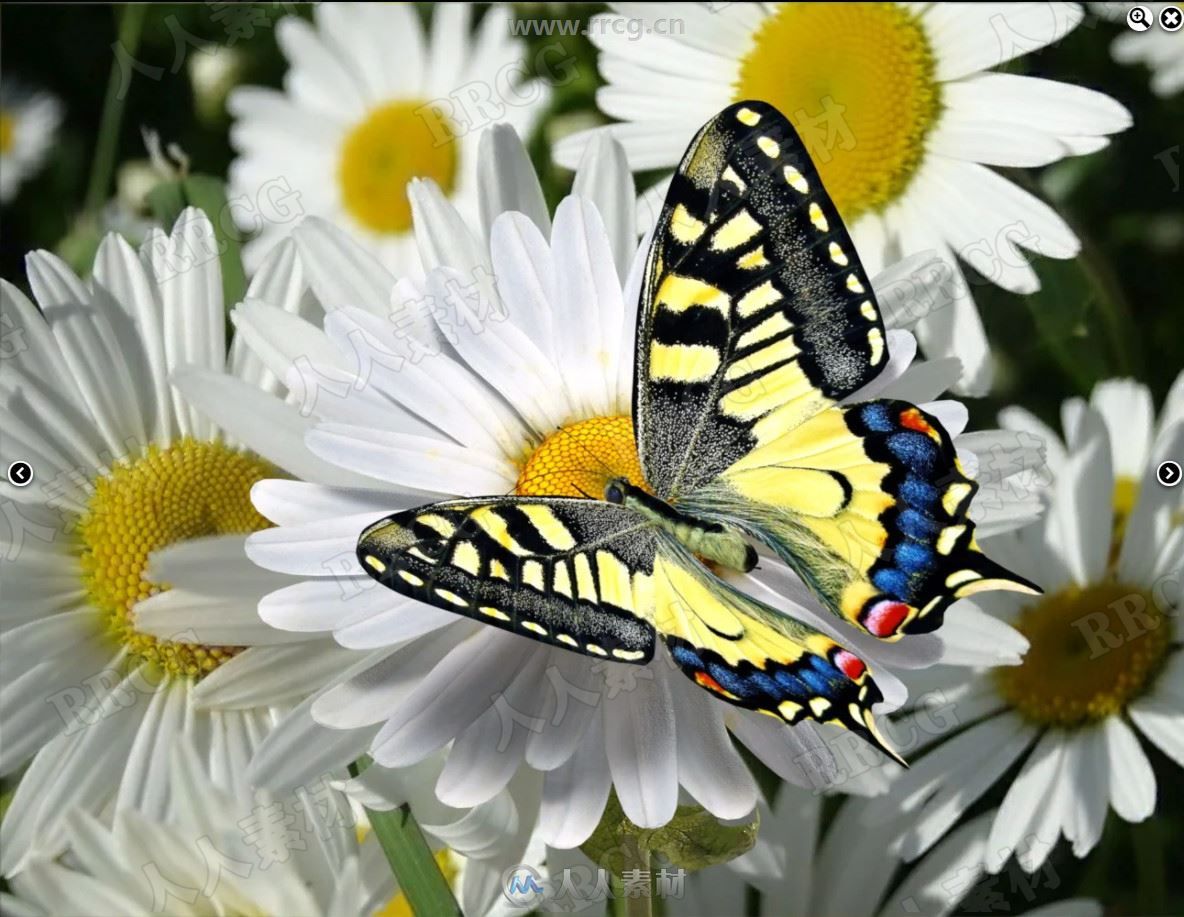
709	540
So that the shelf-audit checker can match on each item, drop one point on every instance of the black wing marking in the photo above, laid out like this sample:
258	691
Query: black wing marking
755	311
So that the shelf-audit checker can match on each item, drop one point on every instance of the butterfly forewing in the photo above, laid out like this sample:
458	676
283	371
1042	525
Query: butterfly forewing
561	571
755	311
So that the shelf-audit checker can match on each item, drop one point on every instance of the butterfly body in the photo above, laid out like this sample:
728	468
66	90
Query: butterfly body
755	326
712	541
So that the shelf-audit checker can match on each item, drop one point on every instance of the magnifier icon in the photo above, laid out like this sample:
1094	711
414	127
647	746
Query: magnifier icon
1139	18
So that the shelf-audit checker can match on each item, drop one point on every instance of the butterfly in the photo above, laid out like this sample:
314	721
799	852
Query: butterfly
755	322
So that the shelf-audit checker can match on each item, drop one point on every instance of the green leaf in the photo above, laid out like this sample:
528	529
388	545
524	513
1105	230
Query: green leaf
80	245
166	201
1080	321
694	839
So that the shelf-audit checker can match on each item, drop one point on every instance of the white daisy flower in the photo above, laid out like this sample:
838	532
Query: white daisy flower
537	371
29	124
1160	50
1104	662
901	115
212	854
99	662
371	101
800	869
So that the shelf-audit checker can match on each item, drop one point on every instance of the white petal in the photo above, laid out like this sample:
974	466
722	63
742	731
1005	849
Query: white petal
507	180
119	272
1163	723
269	427
992	33
450	697
318	78
1024	801
972	637
1083	505
795	754
650	145
709	766
145	783
1126	406
187	565
639	731
279	282
300	750
412	461
927	888
487	754
572	703
1149	528
574	794
1057	108
961	770
427	382
293	502
603	177
1087	766
264	676
1132	782
499	352
1017	418
89	348
588	307
322	548
378	686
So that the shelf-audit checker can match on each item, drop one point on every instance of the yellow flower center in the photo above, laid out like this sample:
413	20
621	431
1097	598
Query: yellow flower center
399	906
1093	650
396	143
187	490
1126	492
578	460
7	131
857	81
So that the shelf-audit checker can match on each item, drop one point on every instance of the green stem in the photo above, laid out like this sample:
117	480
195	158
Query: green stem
411	859
634	856
131	23
1148	841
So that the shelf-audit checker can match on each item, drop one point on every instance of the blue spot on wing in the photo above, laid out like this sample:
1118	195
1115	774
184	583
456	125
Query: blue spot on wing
915	451
686	657
917	525
893	582
919	493
913	556
877	418
730	680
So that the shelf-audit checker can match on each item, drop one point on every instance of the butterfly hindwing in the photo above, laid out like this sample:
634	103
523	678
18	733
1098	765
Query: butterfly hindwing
599	579
755	311
750	655
869	504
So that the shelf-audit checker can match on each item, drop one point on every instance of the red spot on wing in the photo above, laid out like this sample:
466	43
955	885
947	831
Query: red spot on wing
850	664
913	420
706	681
885	617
